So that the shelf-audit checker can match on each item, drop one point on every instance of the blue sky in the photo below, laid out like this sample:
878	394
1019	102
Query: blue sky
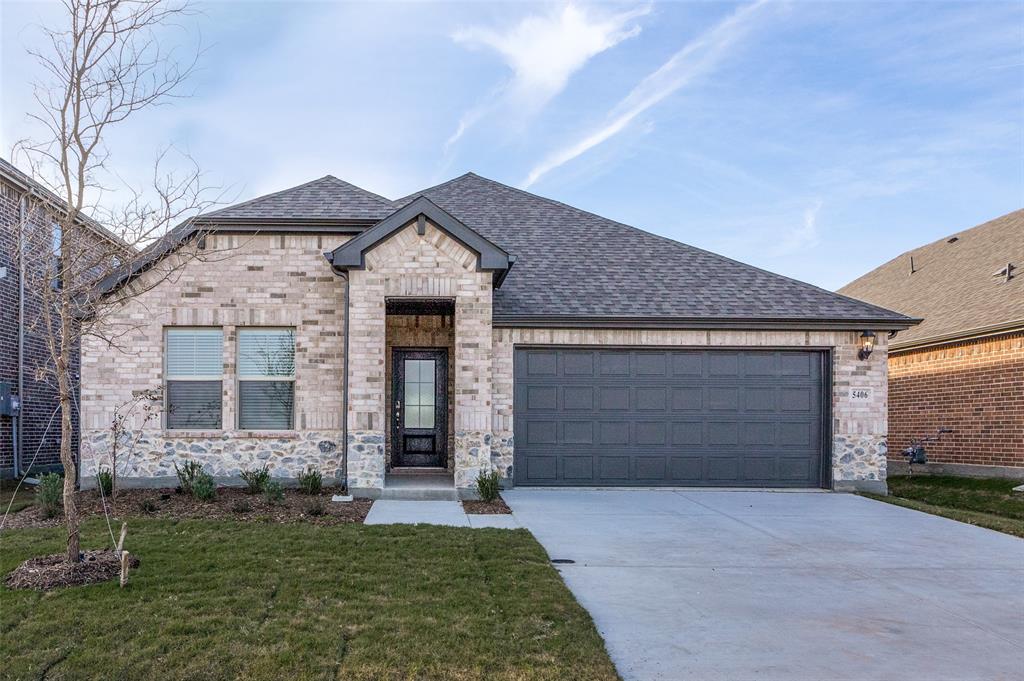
817	140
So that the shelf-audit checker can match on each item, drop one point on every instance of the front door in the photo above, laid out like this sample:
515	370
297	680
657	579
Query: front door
419	424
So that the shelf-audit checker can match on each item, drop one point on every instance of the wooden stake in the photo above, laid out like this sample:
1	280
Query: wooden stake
124	567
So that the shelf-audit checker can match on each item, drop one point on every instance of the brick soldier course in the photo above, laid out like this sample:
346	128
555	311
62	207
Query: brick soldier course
486	251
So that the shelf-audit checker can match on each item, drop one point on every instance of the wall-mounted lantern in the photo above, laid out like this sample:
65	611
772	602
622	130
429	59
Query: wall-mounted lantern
867	344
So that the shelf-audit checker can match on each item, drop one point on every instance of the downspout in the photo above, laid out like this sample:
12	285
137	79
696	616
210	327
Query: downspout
344	397
344	378
19	433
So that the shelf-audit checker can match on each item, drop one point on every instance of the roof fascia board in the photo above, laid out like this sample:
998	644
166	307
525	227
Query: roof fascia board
352	254
958	336
680	323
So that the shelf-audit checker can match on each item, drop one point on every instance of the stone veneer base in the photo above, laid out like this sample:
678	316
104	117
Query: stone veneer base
872	486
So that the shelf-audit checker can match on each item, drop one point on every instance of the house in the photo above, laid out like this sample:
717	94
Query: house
962	368
29	405
472	327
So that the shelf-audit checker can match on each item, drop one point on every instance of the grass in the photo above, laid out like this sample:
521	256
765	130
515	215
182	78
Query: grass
986	502
227	600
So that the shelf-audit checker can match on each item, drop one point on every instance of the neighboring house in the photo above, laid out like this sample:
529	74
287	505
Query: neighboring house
29	436
473	327
963	366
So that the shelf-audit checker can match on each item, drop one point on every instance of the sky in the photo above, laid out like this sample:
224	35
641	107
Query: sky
813	139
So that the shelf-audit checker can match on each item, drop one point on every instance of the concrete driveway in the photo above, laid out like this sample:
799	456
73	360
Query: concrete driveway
762	585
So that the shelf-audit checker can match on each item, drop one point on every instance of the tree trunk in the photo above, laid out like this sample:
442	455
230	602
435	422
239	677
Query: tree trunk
67	458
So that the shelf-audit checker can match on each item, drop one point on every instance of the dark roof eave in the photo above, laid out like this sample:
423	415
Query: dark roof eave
681	323
958	336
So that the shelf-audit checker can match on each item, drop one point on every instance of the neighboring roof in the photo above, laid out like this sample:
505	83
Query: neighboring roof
352	254
24	182
572	267
325	200
953	284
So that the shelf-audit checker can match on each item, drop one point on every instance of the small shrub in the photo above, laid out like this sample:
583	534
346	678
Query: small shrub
311	481
274	493
187	474
241	506
256	479
105	482
50	494
149	506
488	485
315	508
204	488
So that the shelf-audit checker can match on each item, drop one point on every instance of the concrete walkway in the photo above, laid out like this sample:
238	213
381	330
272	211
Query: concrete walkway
758	585
392	512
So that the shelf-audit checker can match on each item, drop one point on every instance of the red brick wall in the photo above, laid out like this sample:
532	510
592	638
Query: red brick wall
976	388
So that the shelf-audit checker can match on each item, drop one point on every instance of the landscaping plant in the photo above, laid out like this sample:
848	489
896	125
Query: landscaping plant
241	506
49	493
187	474
105	482
203	487
315	508
256	479
274	493
311	481
488	486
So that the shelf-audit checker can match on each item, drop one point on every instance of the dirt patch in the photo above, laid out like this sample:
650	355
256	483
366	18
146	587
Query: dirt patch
486	507
231	503
50	572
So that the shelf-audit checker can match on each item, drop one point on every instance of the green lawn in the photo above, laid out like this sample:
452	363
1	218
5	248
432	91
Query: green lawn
227	600
986	502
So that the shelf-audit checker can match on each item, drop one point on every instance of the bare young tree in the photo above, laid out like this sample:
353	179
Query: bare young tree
81	257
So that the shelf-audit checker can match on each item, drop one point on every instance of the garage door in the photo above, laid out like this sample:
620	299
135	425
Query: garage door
618	416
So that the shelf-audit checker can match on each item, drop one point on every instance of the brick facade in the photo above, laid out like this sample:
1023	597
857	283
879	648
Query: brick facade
251	281
975	387
40	413
275	280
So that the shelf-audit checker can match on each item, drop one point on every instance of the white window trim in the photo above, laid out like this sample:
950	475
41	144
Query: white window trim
240	378
167	378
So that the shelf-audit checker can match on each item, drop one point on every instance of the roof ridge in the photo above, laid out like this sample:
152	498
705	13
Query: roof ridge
253	200
673	242
365	192
421	192
917	249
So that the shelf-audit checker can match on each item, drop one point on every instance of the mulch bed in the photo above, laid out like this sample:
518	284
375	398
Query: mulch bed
486	507
50	572
232	503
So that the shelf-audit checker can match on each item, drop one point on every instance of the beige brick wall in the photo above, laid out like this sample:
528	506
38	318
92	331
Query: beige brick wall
857	425
408	265
248	280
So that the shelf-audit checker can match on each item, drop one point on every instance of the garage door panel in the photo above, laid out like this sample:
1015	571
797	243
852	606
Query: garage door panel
668	417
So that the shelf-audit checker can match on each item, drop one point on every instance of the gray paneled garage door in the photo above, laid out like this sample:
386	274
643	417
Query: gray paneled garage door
617	416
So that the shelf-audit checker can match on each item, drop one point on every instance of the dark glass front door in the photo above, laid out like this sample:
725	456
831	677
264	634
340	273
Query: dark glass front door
419	410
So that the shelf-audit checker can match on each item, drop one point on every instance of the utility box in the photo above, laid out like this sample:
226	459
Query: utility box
8	403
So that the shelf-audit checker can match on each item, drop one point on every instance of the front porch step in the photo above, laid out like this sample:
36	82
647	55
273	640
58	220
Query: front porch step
420	471
420	487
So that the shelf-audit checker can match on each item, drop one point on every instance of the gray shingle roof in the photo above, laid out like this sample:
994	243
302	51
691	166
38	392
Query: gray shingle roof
952	286
327	198
571	262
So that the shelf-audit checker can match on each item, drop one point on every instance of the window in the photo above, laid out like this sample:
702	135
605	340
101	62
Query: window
194	366
56	237
266	379
419	393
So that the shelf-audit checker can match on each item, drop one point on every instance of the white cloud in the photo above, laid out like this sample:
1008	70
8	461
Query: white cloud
801	237
543	51
697	58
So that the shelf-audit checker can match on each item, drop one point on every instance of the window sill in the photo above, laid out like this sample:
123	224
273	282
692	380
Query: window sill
232	434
